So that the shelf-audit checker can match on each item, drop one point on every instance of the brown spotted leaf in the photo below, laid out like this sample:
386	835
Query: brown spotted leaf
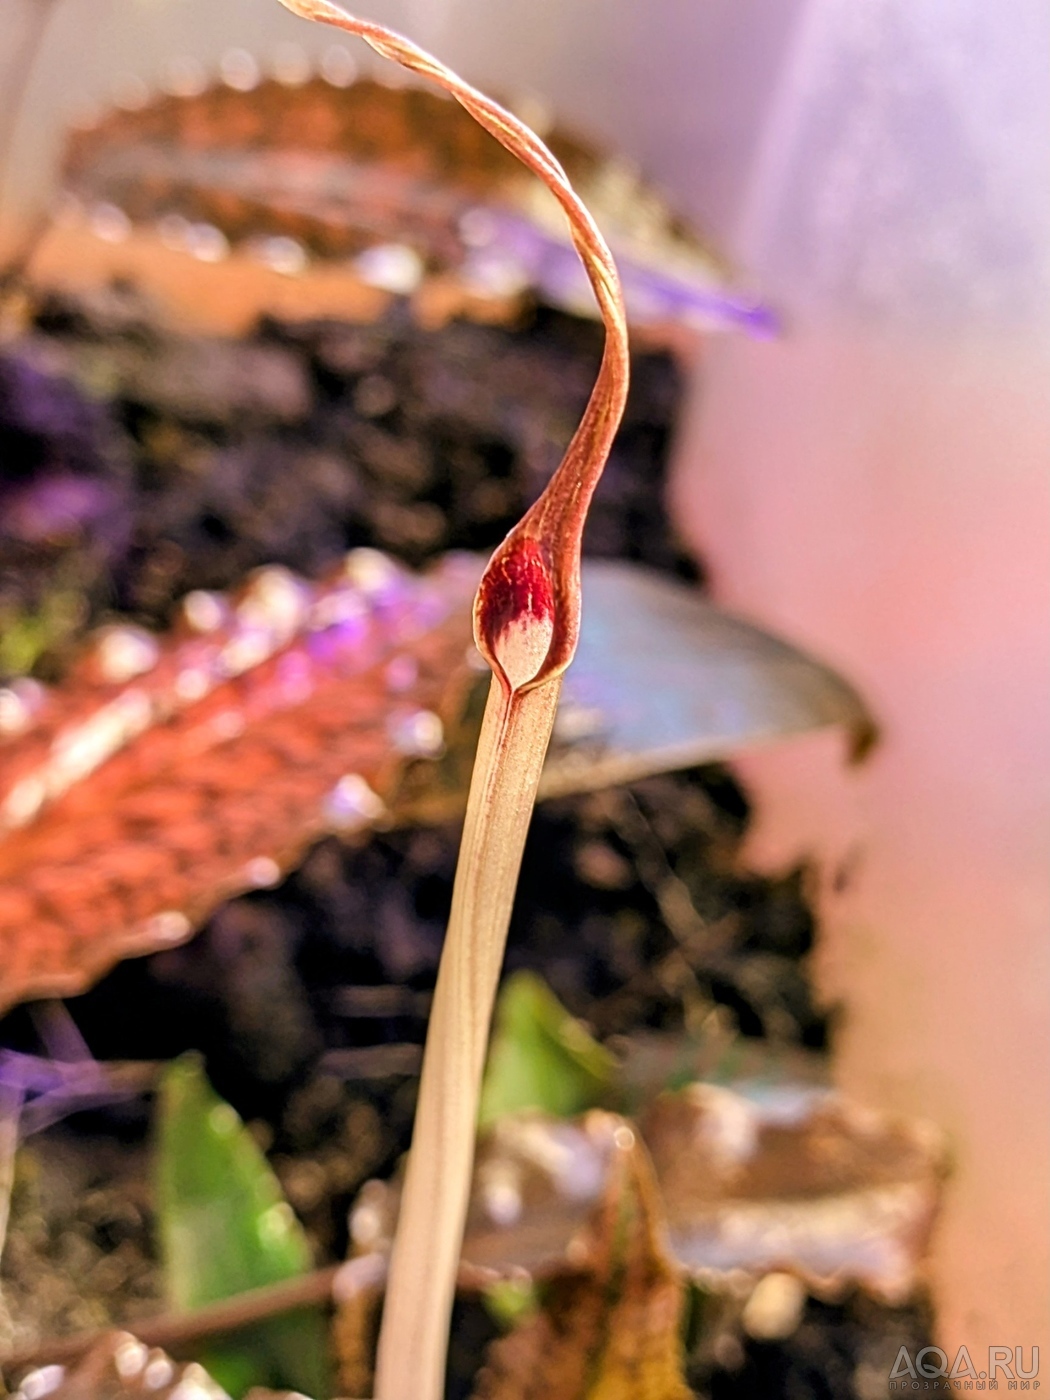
398	179
609	1325
168	774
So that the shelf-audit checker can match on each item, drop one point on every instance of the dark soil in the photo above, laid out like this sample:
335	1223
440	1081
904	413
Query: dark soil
135	465
184	462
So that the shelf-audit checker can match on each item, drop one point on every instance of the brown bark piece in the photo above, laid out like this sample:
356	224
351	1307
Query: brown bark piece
608	1329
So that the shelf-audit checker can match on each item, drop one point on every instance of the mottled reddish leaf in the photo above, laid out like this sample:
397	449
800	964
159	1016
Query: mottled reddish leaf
168	774
398	178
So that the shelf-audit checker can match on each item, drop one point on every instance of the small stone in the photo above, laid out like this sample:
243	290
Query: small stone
775	1308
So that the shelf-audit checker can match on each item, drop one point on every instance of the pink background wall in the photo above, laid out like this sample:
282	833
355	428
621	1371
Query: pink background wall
887	503
877	485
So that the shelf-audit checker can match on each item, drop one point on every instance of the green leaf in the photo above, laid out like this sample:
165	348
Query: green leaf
541	1057
509	1301
225	1228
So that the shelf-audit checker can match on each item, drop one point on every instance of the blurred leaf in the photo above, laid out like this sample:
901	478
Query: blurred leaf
129	800
767	1175
510	1300
663	679
226	1228
129	794
609	1329
541	1057
385	151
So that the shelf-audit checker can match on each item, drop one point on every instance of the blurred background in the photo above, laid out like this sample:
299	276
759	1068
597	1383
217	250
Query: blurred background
872	484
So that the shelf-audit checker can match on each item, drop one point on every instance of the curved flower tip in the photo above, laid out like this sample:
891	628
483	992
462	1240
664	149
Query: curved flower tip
526	615
514	613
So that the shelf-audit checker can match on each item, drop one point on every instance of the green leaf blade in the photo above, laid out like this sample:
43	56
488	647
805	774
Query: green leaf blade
541	1057
225	1228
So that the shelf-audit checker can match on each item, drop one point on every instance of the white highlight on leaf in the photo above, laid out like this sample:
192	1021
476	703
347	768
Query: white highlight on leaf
275	1222
205	612
77	752
19	702
207	243
352	804
223	1119
392	267
239	70
169	926
192	684
109	223
281	254
23	801
184	77
338	66
276	601
291	65
129	1357
371	571
127	652
262	873
231	724
774	1310
173	230
418	734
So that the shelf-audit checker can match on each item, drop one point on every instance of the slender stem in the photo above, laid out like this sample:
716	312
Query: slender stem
526	623
414	1336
